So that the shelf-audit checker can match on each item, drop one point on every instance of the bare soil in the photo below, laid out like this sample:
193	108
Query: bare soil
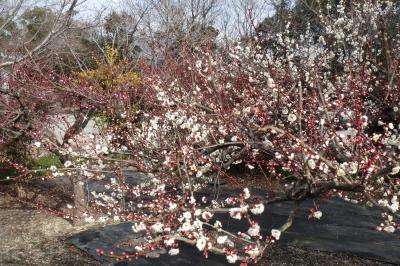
31	237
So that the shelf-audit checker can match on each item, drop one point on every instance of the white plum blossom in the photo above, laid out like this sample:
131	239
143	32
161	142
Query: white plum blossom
186	226
389	229
376	137
291	118
169	242
395	170
353	168
104	149
257	209
246	193
236	213
201	243
231	258
187	215
276	233
67	164
317	214
311	164
37	144
173	251
253	252
192	200
341	172
395	204
89	219
53	168
172	206
270	83
218	225
103	219
198	224
222	239
383	202
230	200
206	215
254	230
197	212
157	227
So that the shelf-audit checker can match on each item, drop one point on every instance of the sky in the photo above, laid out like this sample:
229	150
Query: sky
91	8
230	23
94	4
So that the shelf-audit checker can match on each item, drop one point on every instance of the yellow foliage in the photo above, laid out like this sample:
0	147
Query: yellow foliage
111	54
111	73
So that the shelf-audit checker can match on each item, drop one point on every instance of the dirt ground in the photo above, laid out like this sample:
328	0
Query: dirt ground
31	237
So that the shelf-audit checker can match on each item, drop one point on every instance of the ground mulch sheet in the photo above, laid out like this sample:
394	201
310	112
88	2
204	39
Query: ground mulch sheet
289	255
31	237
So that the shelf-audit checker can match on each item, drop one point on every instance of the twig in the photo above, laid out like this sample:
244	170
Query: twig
290	218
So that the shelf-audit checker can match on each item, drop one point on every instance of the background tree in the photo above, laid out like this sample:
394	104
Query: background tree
42	27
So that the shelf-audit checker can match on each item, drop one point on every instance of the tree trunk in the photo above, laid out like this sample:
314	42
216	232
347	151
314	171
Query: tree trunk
80	200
